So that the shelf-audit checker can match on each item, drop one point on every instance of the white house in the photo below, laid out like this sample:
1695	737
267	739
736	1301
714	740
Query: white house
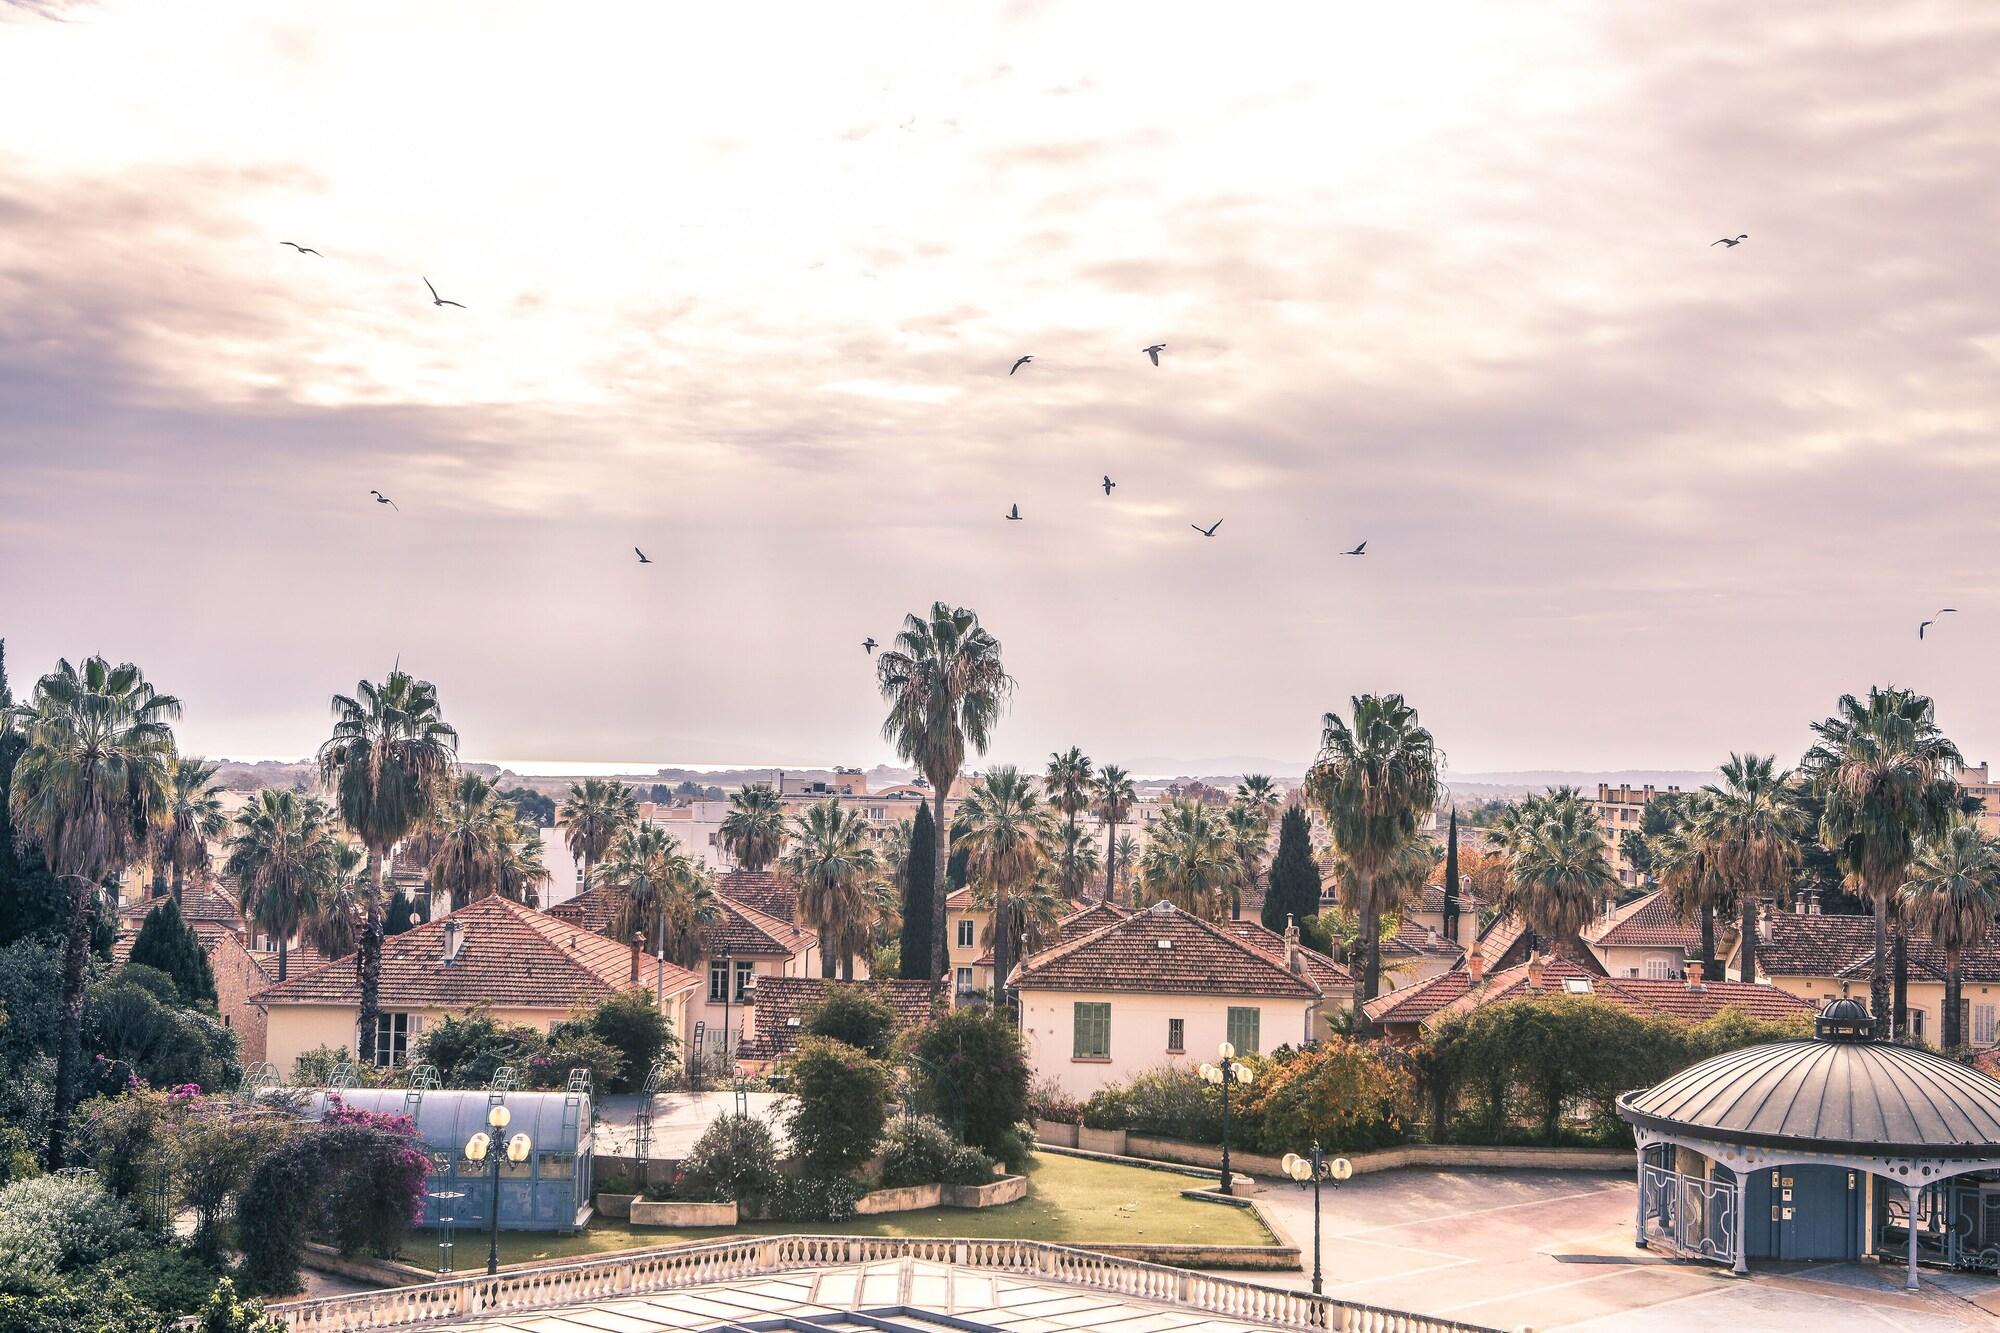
1158	987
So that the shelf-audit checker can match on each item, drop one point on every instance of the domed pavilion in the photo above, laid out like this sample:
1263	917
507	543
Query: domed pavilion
1830	1148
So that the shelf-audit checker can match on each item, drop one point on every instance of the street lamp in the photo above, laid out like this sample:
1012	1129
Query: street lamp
1315	1168
728	989
1230	1071
479	1148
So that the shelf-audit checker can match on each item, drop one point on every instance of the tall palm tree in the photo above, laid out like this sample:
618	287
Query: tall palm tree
666	893
1033	913
1753	822
1067	784
1189	860
1690	873
1111	800
754	829
465	862
519	872
1122	861
1076	859
333	921
593	813
387	763
87	789
1885	772
1249	833
1375	778
833	860
1953	896
192	820
1260	793
1008	827
944	685
1559	875
282	855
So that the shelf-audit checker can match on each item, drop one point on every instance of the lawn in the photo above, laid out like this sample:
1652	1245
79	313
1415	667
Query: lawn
1070	1200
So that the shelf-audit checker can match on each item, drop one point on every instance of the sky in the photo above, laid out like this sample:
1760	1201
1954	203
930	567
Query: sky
742	285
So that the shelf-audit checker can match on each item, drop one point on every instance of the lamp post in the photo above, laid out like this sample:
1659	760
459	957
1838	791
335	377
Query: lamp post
1230	1071
481	1147
1315	1168
728	989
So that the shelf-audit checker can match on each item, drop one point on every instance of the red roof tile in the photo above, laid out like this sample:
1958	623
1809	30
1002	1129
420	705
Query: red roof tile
1415	1003
743	929
1649	923
199	902
781	1001
772	892
1676	999
1197	958
1323	971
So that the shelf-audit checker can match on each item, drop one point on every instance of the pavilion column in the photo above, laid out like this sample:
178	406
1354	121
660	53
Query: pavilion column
1639	1209
1742	1238
1910	1282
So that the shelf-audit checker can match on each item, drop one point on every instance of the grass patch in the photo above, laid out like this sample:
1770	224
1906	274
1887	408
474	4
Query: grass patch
1070	1200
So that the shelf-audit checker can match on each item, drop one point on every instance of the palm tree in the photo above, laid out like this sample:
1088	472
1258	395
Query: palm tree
333	922
1249	832
1033	913
1559	876
1685	864
833	861
1111	800
518	869
754	829
1007	830
282	855
665	892
466	861
386	763
1754	825
87	789
1953	896
1373	781
1189	860
1123	860
1076	859
944	685
1067	784
1885	772
593	813
193	819
1261	794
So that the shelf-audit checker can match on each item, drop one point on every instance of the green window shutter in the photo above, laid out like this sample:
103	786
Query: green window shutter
1243	1029
1093	1030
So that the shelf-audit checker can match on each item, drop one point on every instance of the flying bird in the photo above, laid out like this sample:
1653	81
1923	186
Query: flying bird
1022	362
302	249
644	559
1942	611
1208	531
869	644
1154	351
439	300
382	499
1108	483
1014	514
1730	240
1359	550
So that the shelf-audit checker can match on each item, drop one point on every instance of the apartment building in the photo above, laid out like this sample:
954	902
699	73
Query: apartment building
1619	810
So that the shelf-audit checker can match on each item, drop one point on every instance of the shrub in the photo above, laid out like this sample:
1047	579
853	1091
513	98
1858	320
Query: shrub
1173	1102
210	1152
138	1035
18	1159
166	1278
918	1150
315	1069
840	1100
59	1224
123	1139
225	1313
1110	1107
573	1044
1047	1101
167	942
734	1160
975	1075
1340	1094
97	1308
633	1025
810	1197
373	1171
468	1048
852	1015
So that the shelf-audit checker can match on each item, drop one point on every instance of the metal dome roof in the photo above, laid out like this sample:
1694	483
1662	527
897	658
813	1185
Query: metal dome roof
1829	1094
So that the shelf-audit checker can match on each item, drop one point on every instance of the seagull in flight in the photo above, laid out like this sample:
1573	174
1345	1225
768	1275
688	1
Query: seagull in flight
1942	611
1359	550
439	300
644	559
382	499
1022	362
869	644
302	249
1108	483
1208	531
1154	351
1014	514
1731	241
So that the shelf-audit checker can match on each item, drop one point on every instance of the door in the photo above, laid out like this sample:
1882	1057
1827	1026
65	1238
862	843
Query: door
1815	1211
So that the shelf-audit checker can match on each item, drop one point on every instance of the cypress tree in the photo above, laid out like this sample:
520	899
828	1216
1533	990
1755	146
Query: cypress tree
1294	888
401	916
1451	879
167	942
919	897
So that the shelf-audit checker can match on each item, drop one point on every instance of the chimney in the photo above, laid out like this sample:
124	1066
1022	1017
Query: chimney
637	940
1475	964
454	941
1291	943
1694	974
1535	966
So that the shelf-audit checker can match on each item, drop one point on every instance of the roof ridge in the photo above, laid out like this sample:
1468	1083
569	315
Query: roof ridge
765	922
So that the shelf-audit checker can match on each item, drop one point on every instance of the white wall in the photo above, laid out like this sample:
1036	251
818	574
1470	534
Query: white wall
564	877
1139	1032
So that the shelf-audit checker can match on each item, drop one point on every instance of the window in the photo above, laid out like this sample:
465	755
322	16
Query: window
744	972
1659	968
1176	1034
718	981
1093	1031
1243	1025
962	981
558	1166
1982	1025
392	1039
1917	1024
965	934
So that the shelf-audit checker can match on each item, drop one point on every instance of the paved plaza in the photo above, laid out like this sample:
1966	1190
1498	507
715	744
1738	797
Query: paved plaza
678	1119
1552	1250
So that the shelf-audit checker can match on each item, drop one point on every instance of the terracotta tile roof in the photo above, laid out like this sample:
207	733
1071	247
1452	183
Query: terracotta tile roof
1433	901
511	955
1503	937
771	892
1321	970
208	932
743	929
1514	984
1415	1003
1127	956
594	909
1649	923
780	1001
1790	944
1453	993
958	900
1417	940
1080	922
1675	999
199	902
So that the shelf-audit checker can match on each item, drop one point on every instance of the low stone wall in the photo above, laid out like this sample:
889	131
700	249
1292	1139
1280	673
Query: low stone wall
1389	1159
381	1272
1274	1257
909	1198
679	1213
1056	1132
1007	1189
1113	1141
658	1171
616	1205
899	1200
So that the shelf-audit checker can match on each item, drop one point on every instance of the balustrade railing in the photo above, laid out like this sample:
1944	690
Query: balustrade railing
670	1268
